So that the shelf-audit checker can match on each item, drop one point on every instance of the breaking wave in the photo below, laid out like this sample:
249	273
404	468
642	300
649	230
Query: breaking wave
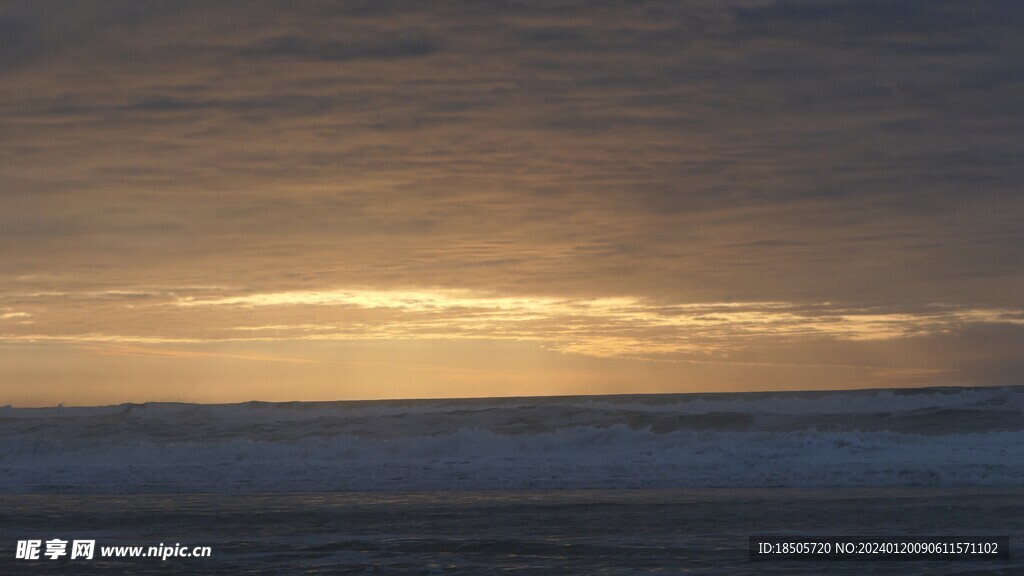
937	436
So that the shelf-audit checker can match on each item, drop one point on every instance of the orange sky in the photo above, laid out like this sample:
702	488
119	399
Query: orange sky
298	201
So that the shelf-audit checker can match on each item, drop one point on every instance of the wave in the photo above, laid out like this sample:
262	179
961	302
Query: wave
937	436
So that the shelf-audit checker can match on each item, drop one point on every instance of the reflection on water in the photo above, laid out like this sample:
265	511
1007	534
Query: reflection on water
695	531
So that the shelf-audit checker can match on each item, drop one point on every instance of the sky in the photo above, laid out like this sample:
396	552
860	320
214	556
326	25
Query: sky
228	201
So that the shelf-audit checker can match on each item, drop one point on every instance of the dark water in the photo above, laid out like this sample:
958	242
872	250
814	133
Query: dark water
690	531
931	437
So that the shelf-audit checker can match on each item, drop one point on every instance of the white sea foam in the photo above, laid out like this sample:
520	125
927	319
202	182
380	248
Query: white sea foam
902	437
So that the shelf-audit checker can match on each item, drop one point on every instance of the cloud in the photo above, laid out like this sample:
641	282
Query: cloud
165	352
292	46
622	327
857	153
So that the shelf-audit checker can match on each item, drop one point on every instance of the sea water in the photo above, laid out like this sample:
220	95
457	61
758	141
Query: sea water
562	532
642	484
918	437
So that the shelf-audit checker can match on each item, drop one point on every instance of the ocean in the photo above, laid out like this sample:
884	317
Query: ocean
645	484
559	532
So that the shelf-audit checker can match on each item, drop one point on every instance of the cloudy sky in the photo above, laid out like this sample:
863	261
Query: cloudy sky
225	201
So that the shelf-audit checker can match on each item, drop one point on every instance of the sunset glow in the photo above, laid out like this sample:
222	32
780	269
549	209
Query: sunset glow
333	202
